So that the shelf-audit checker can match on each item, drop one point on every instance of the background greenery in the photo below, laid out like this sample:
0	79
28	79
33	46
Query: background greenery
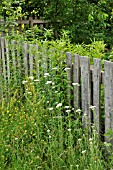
85	20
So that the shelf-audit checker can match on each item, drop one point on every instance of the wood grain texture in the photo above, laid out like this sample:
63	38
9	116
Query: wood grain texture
96	93
85	89
108	90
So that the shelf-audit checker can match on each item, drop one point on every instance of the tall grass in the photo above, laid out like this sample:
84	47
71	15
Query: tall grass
40	130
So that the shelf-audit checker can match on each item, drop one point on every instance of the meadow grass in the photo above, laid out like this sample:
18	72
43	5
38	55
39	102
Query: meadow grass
39	129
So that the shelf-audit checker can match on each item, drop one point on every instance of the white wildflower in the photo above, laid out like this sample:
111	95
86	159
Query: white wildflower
90	139
56	91
58	105
67	111
46	74
36	80
51	108
48	130
48	82
92	107
66	107
75	84
69	130
79	139
78	111
48	101
84	151
31	77
67	68
29	92
55	68
24	82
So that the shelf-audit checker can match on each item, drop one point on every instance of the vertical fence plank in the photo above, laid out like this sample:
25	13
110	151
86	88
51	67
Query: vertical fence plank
76	81
25	55
3	59
13	58
85	89
108	91
96	93
31	59
69	75
8	61
19	65
0	70
36	58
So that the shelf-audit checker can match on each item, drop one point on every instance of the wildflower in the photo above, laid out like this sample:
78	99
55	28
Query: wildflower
24	82
48	101
91	143
69	130
90	139
67	68
31	77
51	108
55	68
68	111
79	140
78	110
56	91
36	80
75	84
46	74
48	130
58	105
29	92
66	107
84	151
16	138
92	107
48	82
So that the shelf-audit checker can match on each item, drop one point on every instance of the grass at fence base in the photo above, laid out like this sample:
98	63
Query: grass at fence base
39	131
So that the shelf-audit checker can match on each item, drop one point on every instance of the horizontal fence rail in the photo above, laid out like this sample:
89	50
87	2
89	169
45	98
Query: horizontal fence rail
23	24
86	82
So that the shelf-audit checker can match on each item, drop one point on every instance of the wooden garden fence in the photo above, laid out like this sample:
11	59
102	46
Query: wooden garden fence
24	23
87	80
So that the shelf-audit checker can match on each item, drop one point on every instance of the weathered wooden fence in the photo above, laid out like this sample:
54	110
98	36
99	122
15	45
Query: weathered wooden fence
85	78
24	23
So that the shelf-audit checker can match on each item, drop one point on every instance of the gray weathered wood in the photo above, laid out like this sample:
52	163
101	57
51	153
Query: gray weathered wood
7	58
36	59
13	58
85	89
108	91
1	91
25	55
3	59
69	75
76	81
31	59
96	93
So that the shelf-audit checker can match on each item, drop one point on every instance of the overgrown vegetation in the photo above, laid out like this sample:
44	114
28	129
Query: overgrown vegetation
39	129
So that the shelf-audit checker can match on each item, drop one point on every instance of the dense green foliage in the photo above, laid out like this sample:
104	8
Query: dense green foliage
85	20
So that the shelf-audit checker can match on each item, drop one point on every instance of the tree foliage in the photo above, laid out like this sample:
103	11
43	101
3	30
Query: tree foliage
84	19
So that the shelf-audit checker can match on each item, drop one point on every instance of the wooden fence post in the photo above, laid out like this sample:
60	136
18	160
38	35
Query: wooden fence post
25	57
76	81
85	90
96	93
69	76
108	91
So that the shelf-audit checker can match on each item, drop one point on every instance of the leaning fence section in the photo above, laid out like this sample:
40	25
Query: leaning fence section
89	82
